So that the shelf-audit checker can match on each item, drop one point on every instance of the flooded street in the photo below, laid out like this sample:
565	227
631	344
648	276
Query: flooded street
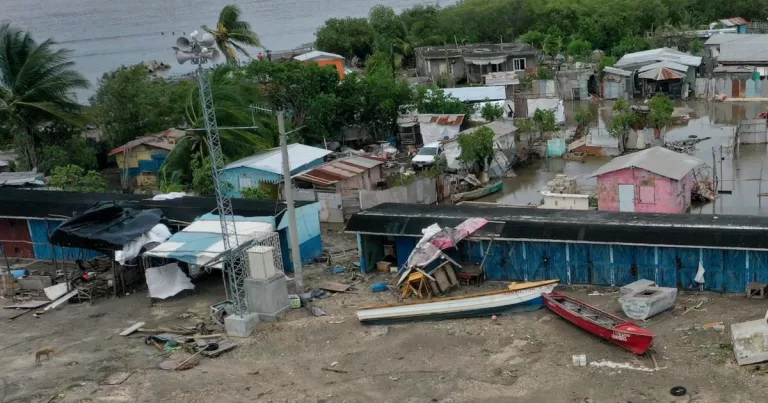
739	175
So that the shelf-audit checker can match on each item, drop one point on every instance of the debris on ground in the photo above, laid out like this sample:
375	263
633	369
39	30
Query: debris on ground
687	146
116	378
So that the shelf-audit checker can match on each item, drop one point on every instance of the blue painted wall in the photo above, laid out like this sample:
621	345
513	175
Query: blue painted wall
257	176
580	263
38	231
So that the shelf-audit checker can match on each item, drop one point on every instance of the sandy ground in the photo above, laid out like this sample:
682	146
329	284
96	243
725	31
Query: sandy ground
521	358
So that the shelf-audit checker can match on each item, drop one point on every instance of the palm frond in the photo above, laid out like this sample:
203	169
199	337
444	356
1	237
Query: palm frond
240	49
244	36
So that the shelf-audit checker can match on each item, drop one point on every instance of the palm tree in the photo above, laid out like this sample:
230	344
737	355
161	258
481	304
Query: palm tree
231	33
36	86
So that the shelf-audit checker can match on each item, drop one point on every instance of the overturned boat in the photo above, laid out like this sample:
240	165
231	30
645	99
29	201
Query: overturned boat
641	305
518	297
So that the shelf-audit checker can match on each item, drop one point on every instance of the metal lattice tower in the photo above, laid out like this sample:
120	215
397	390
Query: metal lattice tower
199	52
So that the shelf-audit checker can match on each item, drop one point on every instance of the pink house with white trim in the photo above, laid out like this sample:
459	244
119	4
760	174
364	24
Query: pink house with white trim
655	180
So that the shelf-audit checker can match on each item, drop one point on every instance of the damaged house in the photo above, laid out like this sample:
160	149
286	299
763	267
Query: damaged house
471	62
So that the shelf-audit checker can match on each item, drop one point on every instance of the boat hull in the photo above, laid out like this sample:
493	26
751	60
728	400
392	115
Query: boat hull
477	193
626	334
485	304
648	302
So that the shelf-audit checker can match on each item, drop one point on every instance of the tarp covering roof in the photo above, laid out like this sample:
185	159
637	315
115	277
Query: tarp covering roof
339	170
48	203
476	94
658	160
106	227
692	230
201	242
615	71
165	140
657	55
21	178
664	70
272	161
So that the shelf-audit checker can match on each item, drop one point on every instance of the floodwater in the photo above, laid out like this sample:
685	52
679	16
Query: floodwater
739	174
105	34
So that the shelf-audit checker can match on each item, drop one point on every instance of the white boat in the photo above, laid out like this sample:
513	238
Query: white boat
649	301
518	297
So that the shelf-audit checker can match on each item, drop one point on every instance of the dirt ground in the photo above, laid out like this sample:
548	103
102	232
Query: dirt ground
521	358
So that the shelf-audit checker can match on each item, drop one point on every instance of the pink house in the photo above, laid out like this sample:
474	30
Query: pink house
655	180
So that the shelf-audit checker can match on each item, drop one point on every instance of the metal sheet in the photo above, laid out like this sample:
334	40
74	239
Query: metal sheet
713	264
602	269
624	264
579	263
667	267
735	270
758	266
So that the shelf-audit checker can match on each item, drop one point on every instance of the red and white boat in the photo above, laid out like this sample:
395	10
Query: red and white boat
602	324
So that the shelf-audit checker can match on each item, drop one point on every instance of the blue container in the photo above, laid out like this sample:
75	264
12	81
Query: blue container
19	273
379	287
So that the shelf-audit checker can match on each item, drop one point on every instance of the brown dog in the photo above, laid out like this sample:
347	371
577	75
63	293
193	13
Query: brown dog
44	352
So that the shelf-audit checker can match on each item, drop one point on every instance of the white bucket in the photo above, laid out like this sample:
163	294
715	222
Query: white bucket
579	360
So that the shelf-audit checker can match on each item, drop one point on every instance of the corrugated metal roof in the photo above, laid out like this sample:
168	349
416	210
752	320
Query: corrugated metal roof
657	55
731	22
21	178
474	94
665	70
728	39
272	161
658	160
444	120
744	52
318	55
166	140
338	170
499	127
618	72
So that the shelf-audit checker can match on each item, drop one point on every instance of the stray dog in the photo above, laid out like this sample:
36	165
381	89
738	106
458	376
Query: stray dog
44	352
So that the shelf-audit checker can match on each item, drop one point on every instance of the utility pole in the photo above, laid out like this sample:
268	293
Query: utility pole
288	189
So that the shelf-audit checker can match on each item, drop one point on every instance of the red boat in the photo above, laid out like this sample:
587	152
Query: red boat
602	324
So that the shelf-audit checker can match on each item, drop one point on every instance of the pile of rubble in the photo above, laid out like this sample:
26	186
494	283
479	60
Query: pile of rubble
687	146
563	184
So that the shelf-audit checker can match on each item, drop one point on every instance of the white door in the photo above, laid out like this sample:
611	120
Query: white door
627	198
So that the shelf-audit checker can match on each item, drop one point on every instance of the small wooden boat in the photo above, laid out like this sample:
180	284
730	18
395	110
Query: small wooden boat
518	297
643	304
601	324
478	193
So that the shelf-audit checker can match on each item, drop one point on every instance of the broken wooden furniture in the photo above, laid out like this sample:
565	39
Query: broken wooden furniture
471	273
756	290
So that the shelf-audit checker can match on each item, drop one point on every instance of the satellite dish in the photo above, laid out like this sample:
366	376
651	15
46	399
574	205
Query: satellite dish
207	40
183	57
183	43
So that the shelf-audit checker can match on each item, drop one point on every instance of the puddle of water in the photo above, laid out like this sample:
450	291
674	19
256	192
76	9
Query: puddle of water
716	120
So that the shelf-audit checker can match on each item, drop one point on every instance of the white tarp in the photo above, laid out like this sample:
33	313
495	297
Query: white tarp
431	132
169	196
202	241
158	233
167	281
548	104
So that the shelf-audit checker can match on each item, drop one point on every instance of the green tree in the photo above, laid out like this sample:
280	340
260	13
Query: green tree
630	44
621	122
583	118
36	83
579	49
476	147
533	38
491	111
545	120
660	111
348	37
232	34
545	73
131	103
202	175
255	193
696	47
72	178
434	100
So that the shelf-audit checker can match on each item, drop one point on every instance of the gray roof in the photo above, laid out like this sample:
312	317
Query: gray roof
744	52
720	39
618	72
476	50
658	160
474	94
658	55
499	127
21	178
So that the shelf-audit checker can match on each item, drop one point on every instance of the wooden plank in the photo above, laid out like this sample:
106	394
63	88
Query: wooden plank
132	329
27	305
334	287
61	300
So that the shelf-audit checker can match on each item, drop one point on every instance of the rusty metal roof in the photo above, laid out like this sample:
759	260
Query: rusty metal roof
166	140
730	22
445	120
339	170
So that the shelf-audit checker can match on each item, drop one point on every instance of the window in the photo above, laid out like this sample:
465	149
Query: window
428	151
647	194
518	64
